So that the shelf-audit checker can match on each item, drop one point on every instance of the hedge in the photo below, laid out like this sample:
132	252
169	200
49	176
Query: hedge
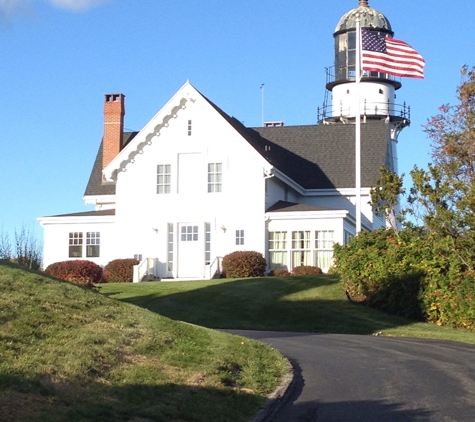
80	272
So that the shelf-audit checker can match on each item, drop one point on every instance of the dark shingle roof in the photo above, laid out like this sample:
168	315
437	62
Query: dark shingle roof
320	156
314	156
95	186
88	214
284	206
323	156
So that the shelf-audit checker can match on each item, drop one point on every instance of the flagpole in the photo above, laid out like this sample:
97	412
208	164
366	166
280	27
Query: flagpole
358	127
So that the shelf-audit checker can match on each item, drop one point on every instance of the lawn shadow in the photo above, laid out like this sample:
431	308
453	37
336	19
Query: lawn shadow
43	398
267	303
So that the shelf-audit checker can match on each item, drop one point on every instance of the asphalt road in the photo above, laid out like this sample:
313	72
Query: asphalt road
374	379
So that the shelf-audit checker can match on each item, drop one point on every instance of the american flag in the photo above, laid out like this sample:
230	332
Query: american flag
387	55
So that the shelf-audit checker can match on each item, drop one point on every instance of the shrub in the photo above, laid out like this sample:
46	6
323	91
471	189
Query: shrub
80	272
448	291
244	264
306	270
120	271
280	272
382	269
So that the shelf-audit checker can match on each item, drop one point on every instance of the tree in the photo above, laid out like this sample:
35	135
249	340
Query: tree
385	197
26	250
446	190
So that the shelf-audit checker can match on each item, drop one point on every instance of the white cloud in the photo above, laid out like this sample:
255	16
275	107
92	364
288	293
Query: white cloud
75	5
12	7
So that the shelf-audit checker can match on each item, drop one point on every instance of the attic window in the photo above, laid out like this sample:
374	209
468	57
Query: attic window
381	91
189	127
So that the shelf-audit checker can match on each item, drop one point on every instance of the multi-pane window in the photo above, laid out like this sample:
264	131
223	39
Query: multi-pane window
189	127
239	237
214	177
93	244
75	245
300	248
207	243
277	250
324	248
170	247
189	233
164	178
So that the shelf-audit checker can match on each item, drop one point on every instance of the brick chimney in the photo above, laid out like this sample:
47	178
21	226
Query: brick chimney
114	111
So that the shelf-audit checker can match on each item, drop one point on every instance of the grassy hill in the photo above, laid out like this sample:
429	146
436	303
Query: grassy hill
71	354
298	303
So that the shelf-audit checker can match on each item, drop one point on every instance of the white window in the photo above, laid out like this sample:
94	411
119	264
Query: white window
239	237
300	248
324	248
75	245
214	177
170	247
207	243
189	127
164	178
277	250
189	233
93	244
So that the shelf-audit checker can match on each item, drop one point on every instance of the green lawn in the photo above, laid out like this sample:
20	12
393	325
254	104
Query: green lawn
298	303
72	354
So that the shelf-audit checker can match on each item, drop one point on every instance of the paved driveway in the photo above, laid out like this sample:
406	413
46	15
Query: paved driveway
375	379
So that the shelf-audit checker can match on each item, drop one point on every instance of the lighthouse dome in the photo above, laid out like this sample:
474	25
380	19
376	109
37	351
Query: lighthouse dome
369	18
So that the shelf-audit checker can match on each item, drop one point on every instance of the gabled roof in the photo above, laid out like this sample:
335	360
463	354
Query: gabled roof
95	186
319	156
314	156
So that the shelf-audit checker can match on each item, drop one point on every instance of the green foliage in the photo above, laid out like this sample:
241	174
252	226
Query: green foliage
120	271
426	272
448	291
306	270
244	264
381	269
81	272
385	196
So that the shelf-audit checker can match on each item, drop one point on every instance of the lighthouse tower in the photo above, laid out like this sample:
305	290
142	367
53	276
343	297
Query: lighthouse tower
376	91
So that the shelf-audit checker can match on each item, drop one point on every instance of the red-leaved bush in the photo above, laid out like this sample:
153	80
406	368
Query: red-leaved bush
306	270
80	272
280	272
120	270
244	264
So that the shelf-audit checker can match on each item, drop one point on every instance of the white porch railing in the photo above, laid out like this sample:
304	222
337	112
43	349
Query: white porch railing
147	266
215	267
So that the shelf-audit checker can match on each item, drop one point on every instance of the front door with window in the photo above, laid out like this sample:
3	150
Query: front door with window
190	251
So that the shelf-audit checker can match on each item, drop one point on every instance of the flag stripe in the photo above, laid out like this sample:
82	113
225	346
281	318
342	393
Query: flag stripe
387	55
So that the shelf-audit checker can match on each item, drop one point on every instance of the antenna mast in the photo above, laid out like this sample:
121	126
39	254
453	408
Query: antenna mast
262	104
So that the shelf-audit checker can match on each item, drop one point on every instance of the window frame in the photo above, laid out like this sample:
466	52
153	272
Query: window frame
164	179
215	177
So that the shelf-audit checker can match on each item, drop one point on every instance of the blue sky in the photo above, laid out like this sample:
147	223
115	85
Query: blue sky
59	58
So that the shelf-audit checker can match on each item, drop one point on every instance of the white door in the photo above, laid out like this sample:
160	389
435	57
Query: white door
190	251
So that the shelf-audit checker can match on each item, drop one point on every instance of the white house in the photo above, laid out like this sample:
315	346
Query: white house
195	184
